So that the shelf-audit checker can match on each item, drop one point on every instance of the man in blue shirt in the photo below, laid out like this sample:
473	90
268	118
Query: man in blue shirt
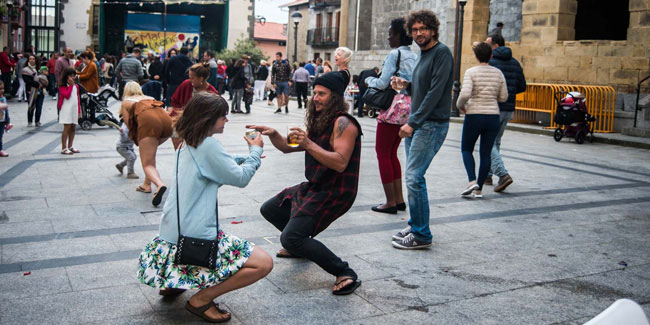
310	68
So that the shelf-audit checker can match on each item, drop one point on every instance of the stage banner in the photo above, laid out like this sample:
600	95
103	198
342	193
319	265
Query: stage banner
147	32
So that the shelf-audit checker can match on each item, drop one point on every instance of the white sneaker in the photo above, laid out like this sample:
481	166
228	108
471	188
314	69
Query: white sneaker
477	194
469	189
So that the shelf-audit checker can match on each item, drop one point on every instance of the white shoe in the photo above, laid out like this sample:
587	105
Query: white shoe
469	189
477	194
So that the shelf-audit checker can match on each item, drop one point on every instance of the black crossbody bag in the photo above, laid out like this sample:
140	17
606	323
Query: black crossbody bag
194	251
382	98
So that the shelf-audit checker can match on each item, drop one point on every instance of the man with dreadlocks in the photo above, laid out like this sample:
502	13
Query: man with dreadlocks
332	146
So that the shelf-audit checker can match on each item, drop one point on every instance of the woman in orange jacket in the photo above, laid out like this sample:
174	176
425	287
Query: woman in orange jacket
88	77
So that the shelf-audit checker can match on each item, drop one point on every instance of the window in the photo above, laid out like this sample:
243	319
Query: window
602	19
328	56
42	26
95	20
316	56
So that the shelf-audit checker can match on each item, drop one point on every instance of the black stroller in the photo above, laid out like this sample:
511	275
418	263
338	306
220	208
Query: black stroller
572	117
94	108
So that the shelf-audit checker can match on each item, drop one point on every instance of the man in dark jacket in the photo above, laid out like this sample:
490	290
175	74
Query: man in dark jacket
176	73
374	72
516	82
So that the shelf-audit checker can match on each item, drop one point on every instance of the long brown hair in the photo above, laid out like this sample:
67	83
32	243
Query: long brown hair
199	116
319	122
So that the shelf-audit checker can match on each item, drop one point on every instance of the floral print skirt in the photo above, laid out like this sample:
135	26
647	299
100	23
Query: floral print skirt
158	269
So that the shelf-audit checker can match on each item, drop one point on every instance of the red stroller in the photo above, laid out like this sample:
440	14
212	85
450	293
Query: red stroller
572	117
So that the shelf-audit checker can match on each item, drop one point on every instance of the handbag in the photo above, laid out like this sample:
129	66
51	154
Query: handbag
382	98
399	111
194	251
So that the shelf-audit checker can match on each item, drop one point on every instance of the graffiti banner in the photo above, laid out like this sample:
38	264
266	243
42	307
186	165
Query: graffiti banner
161	42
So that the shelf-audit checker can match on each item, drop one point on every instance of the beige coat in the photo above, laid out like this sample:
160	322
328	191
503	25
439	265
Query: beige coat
483	86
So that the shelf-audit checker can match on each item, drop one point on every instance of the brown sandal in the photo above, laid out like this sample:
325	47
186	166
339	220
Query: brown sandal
200	311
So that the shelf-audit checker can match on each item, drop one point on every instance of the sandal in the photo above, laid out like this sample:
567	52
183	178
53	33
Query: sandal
348	289
142	189
66	151
74	150
170	292
157	198
200	311
283	253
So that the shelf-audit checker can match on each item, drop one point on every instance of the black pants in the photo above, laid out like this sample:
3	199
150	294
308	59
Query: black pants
6	79
301	91
296	238
362	90
35	108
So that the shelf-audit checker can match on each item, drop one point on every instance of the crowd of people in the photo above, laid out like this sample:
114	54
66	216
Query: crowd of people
184	100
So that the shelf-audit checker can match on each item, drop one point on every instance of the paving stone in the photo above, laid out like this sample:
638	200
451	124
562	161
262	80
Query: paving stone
102	275
34	251
31	228
76	307
35	283
97	222
50	213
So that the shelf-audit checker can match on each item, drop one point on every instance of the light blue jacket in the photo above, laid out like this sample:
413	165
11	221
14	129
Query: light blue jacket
407	63
202	171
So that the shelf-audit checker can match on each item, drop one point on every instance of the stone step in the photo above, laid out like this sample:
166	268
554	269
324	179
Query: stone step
636	132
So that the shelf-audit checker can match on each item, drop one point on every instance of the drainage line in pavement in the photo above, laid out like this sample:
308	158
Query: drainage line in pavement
125	255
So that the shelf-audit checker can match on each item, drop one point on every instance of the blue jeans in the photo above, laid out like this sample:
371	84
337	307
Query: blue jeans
497	167
475	125
420	150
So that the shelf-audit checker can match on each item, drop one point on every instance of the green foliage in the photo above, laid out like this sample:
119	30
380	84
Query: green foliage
242	46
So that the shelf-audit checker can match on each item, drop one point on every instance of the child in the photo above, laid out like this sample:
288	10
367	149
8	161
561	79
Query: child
124	147
4	117
69	107
249	92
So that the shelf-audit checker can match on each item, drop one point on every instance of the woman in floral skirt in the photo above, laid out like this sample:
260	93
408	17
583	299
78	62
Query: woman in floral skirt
203	167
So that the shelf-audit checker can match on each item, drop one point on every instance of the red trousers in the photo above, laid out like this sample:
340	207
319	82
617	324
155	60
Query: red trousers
386	145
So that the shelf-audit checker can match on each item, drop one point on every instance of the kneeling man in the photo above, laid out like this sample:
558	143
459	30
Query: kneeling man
332	145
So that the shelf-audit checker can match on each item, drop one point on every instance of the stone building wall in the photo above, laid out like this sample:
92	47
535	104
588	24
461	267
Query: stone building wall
509	13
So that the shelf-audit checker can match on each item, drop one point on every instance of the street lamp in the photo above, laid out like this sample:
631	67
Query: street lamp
459	51
296	17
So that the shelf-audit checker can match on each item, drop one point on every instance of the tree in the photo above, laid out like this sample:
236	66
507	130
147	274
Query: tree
242	46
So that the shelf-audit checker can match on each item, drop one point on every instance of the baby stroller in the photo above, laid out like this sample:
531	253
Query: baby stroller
94	108
572	117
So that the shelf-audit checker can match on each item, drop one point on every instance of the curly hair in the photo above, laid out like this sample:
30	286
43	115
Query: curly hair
319	122
199	116
426	17
398	28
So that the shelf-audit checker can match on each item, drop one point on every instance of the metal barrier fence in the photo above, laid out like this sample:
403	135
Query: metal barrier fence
538	98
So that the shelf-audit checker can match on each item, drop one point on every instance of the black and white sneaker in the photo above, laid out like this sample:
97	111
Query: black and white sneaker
410	242
403	233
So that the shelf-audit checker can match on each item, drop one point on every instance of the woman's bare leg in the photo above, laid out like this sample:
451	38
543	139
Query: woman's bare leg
71	131
148	148
258	265
64	136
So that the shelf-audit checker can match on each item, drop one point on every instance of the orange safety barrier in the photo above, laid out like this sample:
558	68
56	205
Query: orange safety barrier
538	98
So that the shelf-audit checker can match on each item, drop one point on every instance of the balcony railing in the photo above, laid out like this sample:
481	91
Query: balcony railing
318	4
323	37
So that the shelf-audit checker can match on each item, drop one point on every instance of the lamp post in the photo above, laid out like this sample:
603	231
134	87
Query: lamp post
296	17
459	51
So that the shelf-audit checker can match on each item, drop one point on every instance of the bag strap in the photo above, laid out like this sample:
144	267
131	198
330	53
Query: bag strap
178	210
399	57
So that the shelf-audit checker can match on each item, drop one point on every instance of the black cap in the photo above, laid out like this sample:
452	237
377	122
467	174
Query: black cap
332	81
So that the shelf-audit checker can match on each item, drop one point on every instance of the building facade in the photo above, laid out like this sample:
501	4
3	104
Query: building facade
319	29
594	42
270	38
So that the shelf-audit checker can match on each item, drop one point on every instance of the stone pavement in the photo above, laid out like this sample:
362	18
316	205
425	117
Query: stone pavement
566	240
